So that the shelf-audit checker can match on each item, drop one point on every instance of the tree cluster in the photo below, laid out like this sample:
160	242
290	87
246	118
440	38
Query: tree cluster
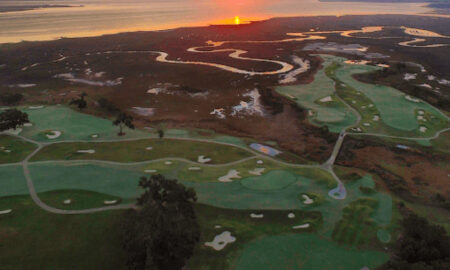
12	119
162	232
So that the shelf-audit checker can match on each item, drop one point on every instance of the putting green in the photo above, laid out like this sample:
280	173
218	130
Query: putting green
73	125
305	251
271	181
12	181
122	183
395	109
335	115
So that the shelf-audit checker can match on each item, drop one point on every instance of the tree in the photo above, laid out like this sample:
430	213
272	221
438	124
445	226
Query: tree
122	120
160	133
11	99
12	119
80	102
422	246
163	231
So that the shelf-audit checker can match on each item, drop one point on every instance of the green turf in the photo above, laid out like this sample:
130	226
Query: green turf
13	149
73	125
271	181
80	199
245	229
305	252
12	181
122	183
335	115
31	238
133	151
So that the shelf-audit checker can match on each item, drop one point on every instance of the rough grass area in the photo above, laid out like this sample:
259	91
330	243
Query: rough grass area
12	181
134	151
31	238
356	226
245	229
13	149
305	252
79	199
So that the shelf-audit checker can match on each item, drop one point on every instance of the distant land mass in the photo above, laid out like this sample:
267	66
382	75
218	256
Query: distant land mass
440	6
4	9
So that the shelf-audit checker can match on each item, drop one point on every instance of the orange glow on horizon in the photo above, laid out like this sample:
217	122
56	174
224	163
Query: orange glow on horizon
237	20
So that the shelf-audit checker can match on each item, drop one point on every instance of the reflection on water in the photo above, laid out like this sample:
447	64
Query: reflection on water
97	17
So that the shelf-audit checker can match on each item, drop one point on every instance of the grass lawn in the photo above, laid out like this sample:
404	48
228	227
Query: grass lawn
80	199
244	229
13	149
12	181
134	151
31	238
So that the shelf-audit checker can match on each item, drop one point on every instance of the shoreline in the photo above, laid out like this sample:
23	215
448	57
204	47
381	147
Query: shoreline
175	27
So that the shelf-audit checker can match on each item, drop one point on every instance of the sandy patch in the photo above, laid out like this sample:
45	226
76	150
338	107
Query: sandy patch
203	159
28	125
150	171
410	98
4	212
420	112
53	134
168	162
409	76
307	199
229	176
292	75
194	169
423	129
219	113
326	99
383	65
357	62
426	85
259	162
68	201
36	107
110	202
291	215
149	148
376	118
303	226
253	215
252	107
366	124
89	151
221	241
14	131
22	85
94	136
257	171
143	111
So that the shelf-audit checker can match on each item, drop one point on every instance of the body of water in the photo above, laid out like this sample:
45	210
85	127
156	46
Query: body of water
96	17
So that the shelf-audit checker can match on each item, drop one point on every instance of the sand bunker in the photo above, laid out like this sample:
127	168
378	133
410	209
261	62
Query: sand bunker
366	124
326	99
53	134
35	107
265	149
219	113
292	75
94	136
291	215
217	226
423	129
168	162
410	98
149	148
409	76
425	85
14	131
22	85
221	241
229	176
307	199
89	151
259	162
4	212
28	125
376	118
357	62
143	111
194	169
110	202
150	171
257	171
203	159
303	226
252	215
68	201
384	65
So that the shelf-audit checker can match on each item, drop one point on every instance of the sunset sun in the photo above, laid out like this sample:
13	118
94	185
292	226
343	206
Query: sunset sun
237	20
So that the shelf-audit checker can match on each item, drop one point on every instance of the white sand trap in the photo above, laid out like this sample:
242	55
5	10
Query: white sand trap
229	176
307	200
219	113
421	112
257	171
168	162
68	201
88	151
384	65
110	202
27	125
149	148
291	215
420	117
4	212
94	136
303	226
410	98
326	99
14	131
409	76
150	171
203	159
376	118
431	77
53	134
366	124
363	107
7	151
253	215
259	162
354	101
35	107
221	241
371	105
194	168
357	62
423	129
217	226
426	85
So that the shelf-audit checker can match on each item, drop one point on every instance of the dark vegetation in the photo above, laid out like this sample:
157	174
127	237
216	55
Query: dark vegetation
162	232
12	119
108	106
80	102
11	99
123	120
